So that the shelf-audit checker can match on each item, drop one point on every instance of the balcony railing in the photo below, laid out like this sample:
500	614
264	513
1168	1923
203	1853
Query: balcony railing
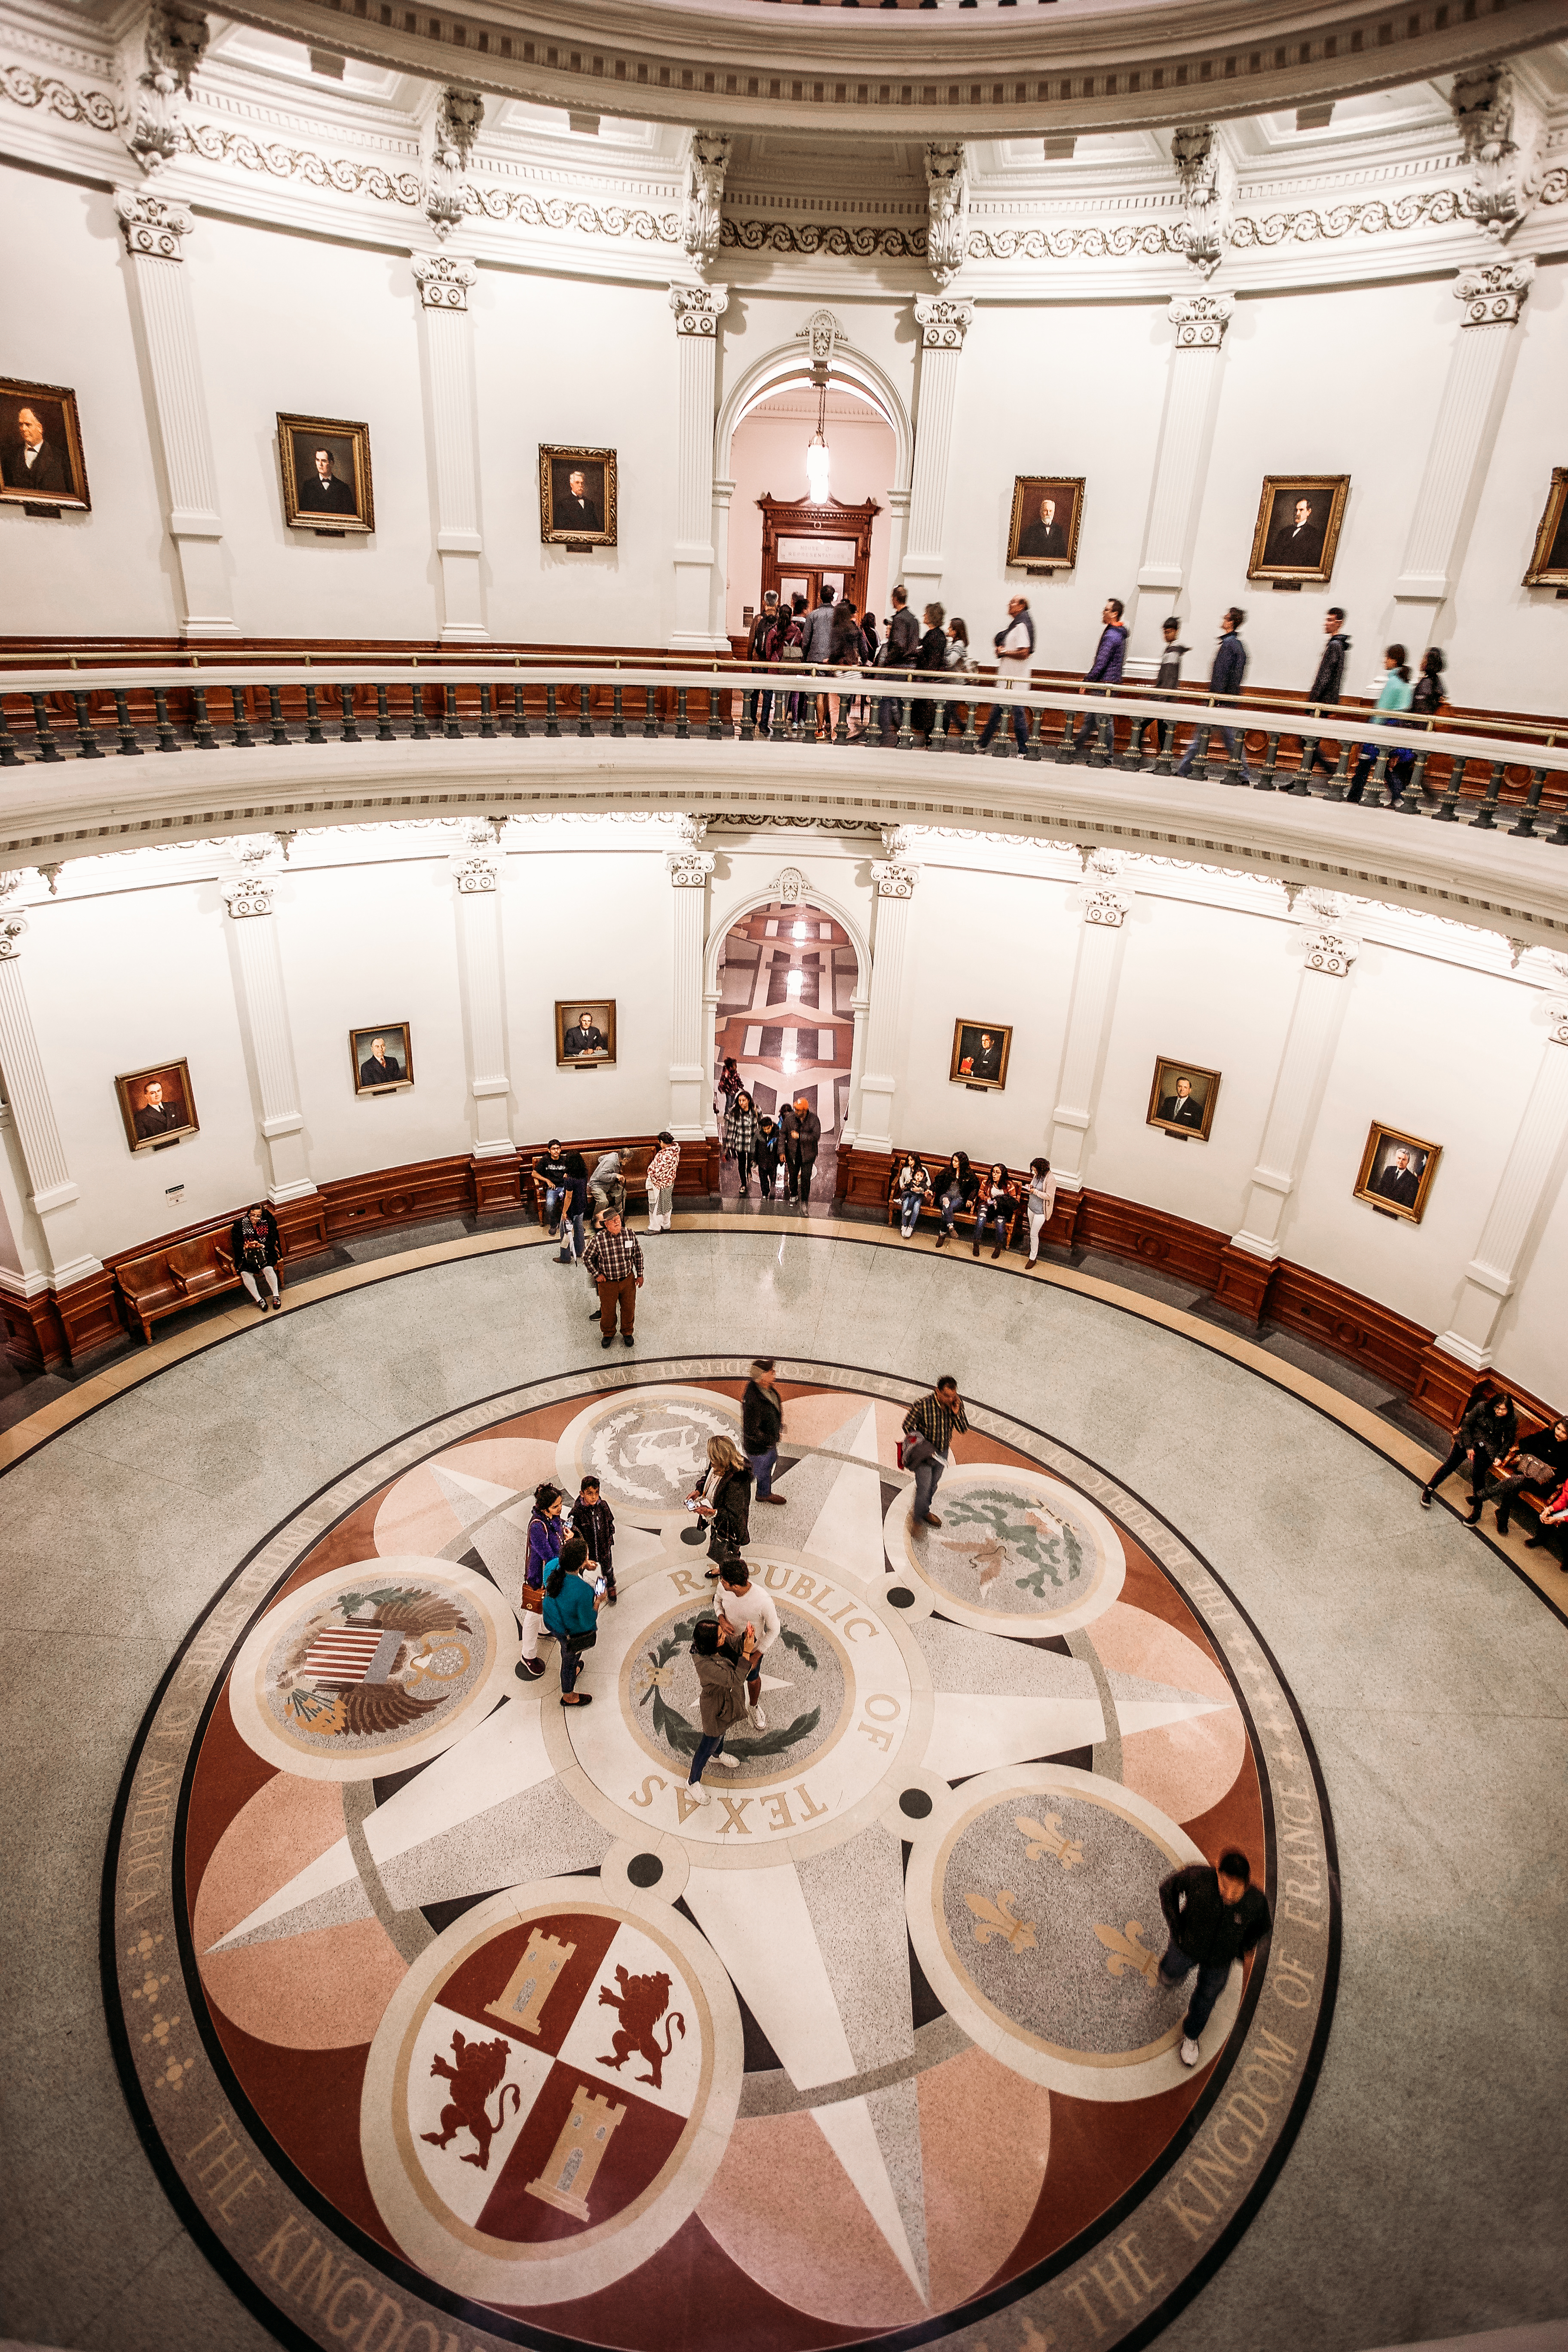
1476	768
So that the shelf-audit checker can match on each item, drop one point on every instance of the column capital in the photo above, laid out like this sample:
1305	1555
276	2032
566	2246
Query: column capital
1495	294
1200	320
943	320
1331	952
443	280
688	868
11	930
1556	1010
477	870
252	895
697	309
150	224
894	880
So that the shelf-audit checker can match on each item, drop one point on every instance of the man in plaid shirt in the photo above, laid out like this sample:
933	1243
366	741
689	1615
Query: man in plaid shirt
614	1258
928	1433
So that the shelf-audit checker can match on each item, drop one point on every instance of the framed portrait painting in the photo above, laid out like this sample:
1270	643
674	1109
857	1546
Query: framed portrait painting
325	468
1046	512
980	1054
157	1104
1298	529
40	447
1548	563
1181	1100
584	1033
577	496
382	1058
1397	1172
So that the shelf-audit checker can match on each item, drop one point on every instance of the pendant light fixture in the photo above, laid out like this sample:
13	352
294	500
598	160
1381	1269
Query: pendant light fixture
818	457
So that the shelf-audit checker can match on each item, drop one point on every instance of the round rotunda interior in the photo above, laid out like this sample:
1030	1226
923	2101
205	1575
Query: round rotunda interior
898	1677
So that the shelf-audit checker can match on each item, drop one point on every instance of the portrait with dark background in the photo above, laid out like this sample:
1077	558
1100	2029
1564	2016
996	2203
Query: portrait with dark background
40	445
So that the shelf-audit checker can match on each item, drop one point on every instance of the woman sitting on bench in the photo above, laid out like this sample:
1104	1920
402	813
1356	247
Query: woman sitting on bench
911	1190
959	1187
998	1203
256	1247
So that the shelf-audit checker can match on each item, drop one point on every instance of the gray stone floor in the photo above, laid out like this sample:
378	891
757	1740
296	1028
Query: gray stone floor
1424	2195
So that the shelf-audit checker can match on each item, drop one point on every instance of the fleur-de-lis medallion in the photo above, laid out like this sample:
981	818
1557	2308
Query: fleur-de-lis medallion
1128	1950
999	1918
1046	1838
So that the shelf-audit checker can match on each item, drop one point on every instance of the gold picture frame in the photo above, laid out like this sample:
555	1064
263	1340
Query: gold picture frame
390	1070
1549	562
981	1051
1189	1116
1298	551
570	520
596	1050
158	1104
56	478
1038	542
336	503
1384	1185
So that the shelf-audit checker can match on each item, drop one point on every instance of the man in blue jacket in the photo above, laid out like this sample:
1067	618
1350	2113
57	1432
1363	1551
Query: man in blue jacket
1224	678
1106	667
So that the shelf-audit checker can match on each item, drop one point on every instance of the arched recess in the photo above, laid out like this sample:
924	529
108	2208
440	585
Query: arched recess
723	921
791	363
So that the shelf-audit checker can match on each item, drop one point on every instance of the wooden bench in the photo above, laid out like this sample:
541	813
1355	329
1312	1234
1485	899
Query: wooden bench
967	1217
163	1281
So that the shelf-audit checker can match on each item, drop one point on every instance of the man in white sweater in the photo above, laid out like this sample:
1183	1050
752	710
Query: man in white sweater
740	1604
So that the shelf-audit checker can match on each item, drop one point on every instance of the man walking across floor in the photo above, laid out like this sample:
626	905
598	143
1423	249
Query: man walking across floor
1329	679
614	1259
1014	651
762	1426
1224	678
1105	671
802	1131
1214	1917
929	1428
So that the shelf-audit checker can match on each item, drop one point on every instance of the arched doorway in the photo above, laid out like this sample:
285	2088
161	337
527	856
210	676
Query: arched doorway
786	980
767	459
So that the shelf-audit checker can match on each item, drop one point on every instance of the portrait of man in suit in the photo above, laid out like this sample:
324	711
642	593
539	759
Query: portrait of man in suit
1399	1181
1044	527
321	488
1397	1172
1297	528
575	508
1296	536
577	496
1549	560
1045	536
1181	1100
381	1057
40	445
980	1054
156	1104
584	1033
584	1036
324	463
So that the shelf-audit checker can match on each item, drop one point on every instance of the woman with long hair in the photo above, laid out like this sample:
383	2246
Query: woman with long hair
723	1660
1395	698
997	1203
722	1496
911	1190
546	1532
958	661
255	1246
959	1187
660	1182
1039	1204
741	1136
1427	698
571	1609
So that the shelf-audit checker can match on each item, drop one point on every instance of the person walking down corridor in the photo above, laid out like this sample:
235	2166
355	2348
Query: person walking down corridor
1328	677
1214	1917
1105	669
1039	1204
802	1132
741	1137
660	1182
723	1498
1224	678
1014	651
614	1259
724	1668
546	1533
929	1427
571	1610
762	1426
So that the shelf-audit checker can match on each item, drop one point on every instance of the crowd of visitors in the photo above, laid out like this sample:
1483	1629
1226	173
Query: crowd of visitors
1504	1466
839	637
998	1201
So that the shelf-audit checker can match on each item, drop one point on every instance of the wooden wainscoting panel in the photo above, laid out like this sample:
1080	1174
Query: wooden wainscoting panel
1386	1346
1172	1244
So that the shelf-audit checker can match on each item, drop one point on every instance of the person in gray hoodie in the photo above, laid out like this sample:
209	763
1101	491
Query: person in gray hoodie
818	646
1167	682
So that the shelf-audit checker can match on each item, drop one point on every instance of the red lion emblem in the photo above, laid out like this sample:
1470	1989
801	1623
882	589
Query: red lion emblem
478	2067
641	2001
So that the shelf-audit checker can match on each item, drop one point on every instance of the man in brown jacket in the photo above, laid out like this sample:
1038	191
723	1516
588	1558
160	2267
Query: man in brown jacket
723	1671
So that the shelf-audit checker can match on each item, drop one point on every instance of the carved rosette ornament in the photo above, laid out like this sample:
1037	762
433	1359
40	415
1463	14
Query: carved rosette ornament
443	281
688	868
150	226
697	309
706	165
821	334
893	880
943	320
1206	177
173	43
947	204
252	895
1494	295
1200	320
11	927
1504	131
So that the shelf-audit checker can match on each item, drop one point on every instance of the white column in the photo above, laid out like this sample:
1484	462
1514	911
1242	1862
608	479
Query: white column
1192	389
1528	1182
895	882
898	505
53	1198
444	283
264	1017
1304	1058
697	310
943	320
477	875
689	869
152	230
723	494
860	1005
1492	298
1104	906
711	998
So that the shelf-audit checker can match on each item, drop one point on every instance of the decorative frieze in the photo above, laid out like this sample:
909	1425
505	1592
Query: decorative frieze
947	202
698	309
943	320
151	225
443	280
706	165
101	110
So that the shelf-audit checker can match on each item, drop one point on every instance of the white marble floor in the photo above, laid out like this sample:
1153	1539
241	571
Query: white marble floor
1423	2197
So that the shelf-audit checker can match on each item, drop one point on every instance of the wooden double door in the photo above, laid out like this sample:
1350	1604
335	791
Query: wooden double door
808	547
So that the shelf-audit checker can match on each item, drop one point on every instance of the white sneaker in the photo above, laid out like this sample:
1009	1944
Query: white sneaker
1190	2051
759	1721
697	1794
730	1763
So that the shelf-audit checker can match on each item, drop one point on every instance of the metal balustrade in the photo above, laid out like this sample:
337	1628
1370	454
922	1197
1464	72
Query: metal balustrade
1492	777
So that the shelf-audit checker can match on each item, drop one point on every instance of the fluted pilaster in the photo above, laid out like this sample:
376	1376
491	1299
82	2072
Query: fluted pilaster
943	320
1104	906
1198	323
895	886
263	1009
1491	299
444	283
1530	1177
479	937
696	310
53	1197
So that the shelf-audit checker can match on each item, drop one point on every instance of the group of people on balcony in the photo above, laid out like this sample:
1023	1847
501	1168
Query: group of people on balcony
995	1199
838	637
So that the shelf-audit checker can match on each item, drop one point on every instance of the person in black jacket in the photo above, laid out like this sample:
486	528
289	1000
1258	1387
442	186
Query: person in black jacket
594	1520
255	1246
1538	1468
802	1132
930	654
1214	1917
1488	1433
956	1188
762	1426
573	1207
1328	677
769	1143
728	1507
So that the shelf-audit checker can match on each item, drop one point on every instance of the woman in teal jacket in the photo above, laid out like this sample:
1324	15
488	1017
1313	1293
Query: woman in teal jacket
1395	698
571	1610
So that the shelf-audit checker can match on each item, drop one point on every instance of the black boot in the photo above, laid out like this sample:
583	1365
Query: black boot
1473	1515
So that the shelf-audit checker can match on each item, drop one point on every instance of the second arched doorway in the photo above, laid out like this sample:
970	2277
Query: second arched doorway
786	977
